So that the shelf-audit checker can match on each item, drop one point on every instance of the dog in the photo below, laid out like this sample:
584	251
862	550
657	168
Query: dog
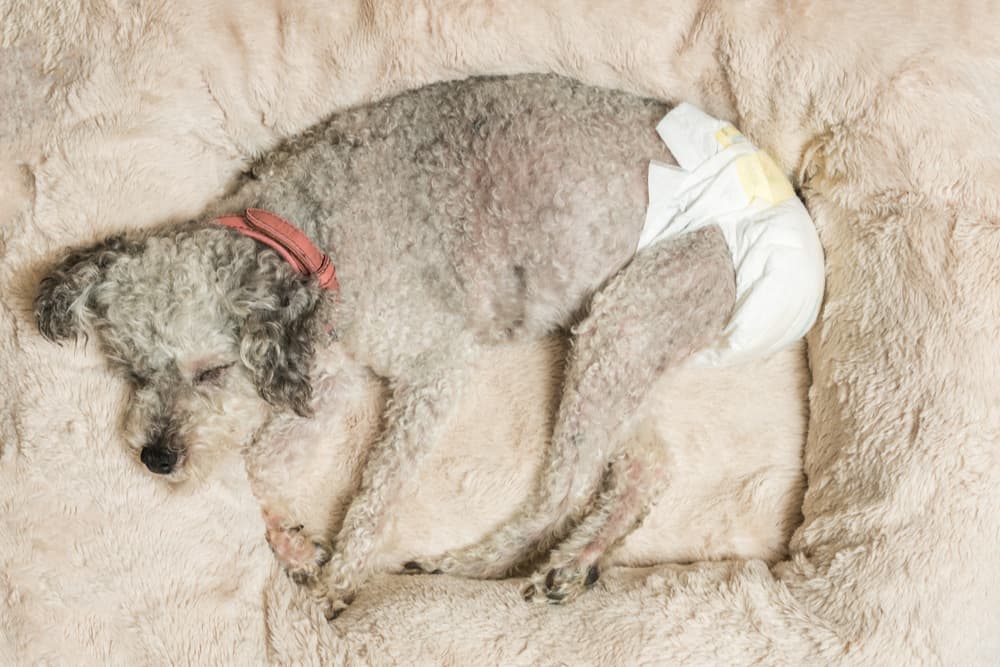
457	216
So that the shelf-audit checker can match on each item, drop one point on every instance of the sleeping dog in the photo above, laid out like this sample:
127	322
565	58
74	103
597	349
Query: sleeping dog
415	234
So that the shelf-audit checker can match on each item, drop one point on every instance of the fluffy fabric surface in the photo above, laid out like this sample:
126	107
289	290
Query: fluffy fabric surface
119	114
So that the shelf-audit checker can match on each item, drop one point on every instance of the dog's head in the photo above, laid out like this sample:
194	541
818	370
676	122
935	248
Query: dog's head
210	330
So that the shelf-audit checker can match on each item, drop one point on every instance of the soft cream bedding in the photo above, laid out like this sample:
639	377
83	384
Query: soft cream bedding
117	114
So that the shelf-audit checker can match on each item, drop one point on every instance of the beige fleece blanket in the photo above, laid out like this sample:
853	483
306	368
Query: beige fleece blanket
122	113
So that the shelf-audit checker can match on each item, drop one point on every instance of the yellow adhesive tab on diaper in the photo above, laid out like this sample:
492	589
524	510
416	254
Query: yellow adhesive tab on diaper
728	136
762	179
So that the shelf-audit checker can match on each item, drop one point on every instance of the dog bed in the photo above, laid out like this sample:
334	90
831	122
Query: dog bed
125	113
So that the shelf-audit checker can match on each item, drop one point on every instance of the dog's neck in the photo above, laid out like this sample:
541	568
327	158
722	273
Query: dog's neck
290	242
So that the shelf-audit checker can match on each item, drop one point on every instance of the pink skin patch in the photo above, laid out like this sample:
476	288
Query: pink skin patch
291	547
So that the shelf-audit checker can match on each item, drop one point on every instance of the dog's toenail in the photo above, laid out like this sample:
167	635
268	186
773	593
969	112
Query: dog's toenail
555	596
592	575
413	566
528	592
437	571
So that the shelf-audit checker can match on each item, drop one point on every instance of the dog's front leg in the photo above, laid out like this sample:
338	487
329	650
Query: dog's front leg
284	466
420	404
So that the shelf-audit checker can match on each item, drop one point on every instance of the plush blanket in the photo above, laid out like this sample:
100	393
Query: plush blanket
118	114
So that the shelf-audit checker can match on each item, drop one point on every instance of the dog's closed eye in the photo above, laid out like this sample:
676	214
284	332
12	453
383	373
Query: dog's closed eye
211	375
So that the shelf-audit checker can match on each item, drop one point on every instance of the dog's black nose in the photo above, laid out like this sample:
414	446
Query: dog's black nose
158	459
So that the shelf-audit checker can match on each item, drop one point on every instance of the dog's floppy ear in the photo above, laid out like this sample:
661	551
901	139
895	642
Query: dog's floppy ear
276	338
64	300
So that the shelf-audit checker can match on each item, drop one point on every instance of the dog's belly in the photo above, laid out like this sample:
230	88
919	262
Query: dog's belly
554	200
549	230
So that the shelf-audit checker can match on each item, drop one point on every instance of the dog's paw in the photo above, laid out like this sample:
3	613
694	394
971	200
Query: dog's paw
457	564
330	604
333	606
341	580
301	556
560	584
418	567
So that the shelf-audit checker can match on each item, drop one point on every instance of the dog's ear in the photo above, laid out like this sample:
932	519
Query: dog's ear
64	300
276	338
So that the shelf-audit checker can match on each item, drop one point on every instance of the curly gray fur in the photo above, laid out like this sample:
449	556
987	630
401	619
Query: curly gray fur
457	215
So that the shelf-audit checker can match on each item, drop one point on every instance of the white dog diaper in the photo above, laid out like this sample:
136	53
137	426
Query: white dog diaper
723	179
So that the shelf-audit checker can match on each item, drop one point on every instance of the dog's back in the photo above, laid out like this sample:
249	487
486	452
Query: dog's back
507	199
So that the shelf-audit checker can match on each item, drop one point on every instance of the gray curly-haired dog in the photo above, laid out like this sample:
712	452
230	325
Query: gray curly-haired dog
457	216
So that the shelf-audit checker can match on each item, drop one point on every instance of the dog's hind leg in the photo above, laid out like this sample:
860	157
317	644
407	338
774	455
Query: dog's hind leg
670	301
633	481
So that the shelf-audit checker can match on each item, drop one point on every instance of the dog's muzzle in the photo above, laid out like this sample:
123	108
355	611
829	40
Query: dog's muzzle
159	460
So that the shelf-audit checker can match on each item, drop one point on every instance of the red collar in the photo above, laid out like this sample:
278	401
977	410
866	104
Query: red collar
288	240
